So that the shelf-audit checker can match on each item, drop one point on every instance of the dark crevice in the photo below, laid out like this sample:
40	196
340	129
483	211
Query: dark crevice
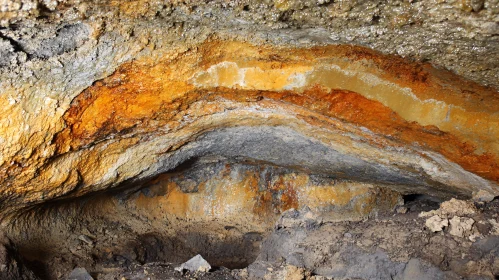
17	47
421	202
44	11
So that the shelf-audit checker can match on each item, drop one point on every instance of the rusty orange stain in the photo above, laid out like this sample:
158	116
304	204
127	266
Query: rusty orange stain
227	196
142	95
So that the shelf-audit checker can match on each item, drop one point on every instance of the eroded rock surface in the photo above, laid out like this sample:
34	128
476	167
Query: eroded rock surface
177	71
298	108
182	125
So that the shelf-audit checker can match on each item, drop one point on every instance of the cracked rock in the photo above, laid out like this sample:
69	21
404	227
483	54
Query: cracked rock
436	223
460	226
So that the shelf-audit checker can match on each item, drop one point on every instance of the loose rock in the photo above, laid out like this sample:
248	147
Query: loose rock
80	273
86	239
196	264
436	223
453	207
461	226
402	210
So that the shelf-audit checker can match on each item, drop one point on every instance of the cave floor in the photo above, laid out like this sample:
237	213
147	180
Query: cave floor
301	245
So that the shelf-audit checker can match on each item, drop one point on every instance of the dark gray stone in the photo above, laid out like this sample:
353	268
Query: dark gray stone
7	53
487	245
80	273
285	147
67	38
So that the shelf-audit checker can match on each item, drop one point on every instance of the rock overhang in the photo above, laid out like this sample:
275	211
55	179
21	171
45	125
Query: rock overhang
381	118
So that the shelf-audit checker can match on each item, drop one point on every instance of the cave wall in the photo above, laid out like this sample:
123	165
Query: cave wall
147	131
101	94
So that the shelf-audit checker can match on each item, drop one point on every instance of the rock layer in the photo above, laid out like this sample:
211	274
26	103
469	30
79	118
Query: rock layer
338	110
143	131
95	94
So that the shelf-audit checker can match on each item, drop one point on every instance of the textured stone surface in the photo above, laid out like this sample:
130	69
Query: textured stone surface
159	118
176	71
12	265
221	210
255	195
455	34
453	207
346	105
436	223
132	241
387	248
196	264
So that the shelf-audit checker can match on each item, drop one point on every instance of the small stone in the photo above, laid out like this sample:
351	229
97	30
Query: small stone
436	223
483	227
474	237
243	273
477	5
402	210
86	239
460	226
366	243
196	264
79	273
310	215
292	272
